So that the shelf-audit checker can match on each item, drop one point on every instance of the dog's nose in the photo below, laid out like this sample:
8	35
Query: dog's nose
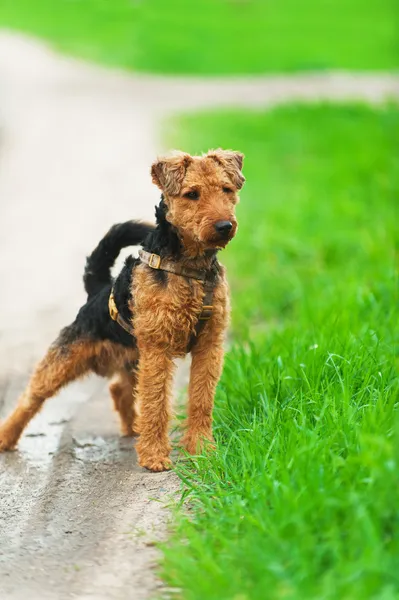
223	227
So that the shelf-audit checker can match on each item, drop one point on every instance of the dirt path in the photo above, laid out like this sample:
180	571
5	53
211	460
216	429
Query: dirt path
75	150
76	142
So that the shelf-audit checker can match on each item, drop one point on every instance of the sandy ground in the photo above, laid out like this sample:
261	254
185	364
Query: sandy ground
77	515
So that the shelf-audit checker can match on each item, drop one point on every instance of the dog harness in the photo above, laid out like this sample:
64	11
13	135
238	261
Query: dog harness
154	261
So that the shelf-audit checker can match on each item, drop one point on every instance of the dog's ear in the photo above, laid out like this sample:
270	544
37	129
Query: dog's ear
168	173
232	163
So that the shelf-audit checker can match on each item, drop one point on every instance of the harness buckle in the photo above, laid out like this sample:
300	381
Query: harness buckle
206	313
157	259
113	311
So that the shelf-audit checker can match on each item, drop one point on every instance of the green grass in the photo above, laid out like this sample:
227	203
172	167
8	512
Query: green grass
301	498
216	36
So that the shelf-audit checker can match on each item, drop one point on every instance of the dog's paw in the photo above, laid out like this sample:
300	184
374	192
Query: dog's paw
197	443
7	441
156	463
126	431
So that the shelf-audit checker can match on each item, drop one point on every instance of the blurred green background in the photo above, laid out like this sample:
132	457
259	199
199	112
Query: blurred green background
318	216
216	36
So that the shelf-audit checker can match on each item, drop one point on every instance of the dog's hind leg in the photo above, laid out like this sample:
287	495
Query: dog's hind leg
60	366
122	391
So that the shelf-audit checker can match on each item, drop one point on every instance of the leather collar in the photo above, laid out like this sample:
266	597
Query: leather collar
157	262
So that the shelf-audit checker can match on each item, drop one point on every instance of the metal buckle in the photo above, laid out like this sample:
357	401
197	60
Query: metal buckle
205	309
151	263
113	311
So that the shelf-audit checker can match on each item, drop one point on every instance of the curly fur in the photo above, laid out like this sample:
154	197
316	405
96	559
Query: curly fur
163	308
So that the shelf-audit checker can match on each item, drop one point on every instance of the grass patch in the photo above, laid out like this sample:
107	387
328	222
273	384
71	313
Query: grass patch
301	498
216	36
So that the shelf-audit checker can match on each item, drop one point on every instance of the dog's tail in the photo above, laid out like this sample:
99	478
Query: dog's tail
98	265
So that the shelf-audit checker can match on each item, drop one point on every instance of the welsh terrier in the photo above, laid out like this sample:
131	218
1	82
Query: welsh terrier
172	300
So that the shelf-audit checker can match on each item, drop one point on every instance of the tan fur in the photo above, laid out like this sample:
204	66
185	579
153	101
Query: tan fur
164	320
206	368
59	367
123	390
208	175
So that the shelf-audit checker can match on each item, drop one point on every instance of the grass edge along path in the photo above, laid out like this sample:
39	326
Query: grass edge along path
300	499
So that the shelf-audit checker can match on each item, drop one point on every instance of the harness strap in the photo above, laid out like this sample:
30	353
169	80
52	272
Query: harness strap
156	262
115	316
205	315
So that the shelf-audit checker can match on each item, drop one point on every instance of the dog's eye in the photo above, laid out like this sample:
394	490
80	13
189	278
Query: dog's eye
193	195
227	190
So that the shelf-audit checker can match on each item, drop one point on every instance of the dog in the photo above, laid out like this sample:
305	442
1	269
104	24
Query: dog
172	300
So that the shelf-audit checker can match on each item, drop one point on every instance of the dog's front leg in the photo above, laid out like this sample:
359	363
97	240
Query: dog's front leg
155	375
206	368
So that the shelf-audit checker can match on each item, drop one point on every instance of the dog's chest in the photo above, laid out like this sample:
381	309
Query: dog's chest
166	312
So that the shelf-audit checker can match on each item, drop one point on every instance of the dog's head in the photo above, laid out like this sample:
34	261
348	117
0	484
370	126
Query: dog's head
200	193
